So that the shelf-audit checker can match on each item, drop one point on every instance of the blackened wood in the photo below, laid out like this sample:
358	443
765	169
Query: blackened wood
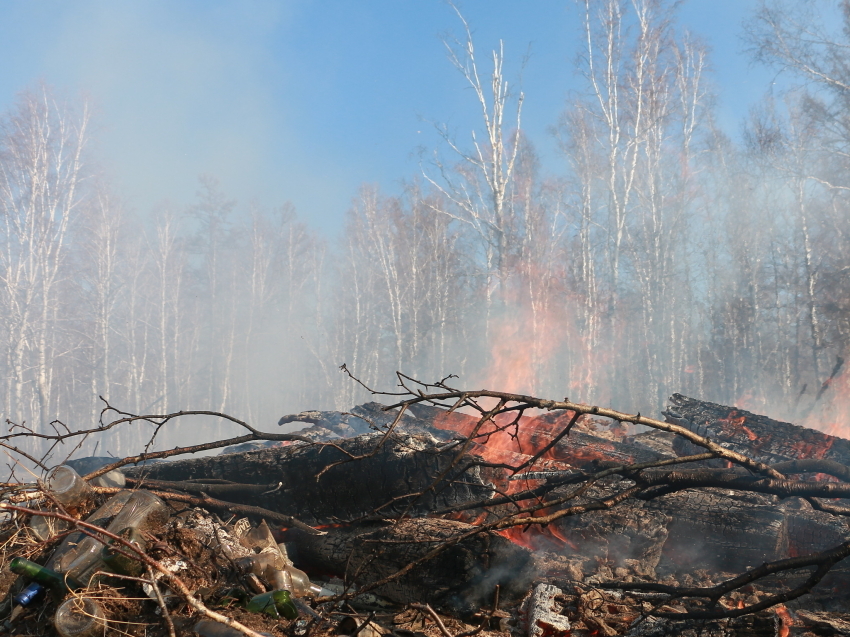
756	436
403	465
629	535
720	530
580	449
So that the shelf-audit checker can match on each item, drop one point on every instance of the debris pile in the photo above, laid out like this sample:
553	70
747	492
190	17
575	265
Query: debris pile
417	520
82	560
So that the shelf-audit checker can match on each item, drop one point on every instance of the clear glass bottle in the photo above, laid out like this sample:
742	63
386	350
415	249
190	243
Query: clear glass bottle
45	527
87	561
296	581
68	487
79	617
143	510
260	563
114	478
117	561
71	545
272	567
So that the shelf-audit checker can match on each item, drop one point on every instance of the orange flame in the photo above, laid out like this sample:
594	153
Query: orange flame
785	619
830	414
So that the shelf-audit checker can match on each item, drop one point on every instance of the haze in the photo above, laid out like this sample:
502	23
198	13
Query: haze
265	194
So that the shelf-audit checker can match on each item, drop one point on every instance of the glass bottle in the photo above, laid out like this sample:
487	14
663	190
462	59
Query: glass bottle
117	561
296	581
143	510
79	617
45	527
71	545
44	576
68	487
260	563
114	478
273	569
275	603
87	561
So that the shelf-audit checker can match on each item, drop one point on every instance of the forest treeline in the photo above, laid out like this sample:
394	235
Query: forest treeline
662	255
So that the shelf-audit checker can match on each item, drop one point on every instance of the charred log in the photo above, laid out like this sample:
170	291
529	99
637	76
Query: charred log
320	484
762	438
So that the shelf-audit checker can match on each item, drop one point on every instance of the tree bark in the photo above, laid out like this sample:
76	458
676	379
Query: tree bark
318	484
762	438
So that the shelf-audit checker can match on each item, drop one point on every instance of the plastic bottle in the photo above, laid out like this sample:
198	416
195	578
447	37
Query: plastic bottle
117	561
79	617
44	576
210	628
68	487
275	603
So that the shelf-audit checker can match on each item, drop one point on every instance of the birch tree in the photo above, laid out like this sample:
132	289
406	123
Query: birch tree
477	186
41	172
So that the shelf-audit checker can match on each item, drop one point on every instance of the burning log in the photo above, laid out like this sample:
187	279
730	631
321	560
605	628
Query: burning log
527	436
767	440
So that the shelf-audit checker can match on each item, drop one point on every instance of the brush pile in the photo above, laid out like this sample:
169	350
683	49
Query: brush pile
447	514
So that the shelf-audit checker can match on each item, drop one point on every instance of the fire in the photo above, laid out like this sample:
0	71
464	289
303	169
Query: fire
504	438
829	414
750	433
832	414
509	441
513	352
536	538
785	619
532	338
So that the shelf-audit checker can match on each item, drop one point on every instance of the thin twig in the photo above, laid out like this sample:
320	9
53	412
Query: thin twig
427	608
165	615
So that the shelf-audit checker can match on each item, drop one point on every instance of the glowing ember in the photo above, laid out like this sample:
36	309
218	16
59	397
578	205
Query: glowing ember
785	619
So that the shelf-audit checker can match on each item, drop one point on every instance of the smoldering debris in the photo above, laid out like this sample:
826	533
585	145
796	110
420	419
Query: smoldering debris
450	513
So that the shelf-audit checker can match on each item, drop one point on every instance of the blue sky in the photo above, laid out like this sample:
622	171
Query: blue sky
304	100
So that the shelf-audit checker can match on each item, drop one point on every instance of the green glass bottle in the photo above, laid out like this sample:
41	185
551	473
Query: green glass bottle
42	575
275	603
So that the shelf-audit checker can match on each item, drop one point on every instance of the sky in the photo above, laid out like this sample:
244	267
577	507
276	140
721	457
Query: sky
303	101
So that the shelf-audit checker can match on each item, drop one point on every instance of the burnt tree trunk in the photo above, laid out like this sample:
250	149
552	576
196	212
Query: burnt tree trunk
759	437
321	484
